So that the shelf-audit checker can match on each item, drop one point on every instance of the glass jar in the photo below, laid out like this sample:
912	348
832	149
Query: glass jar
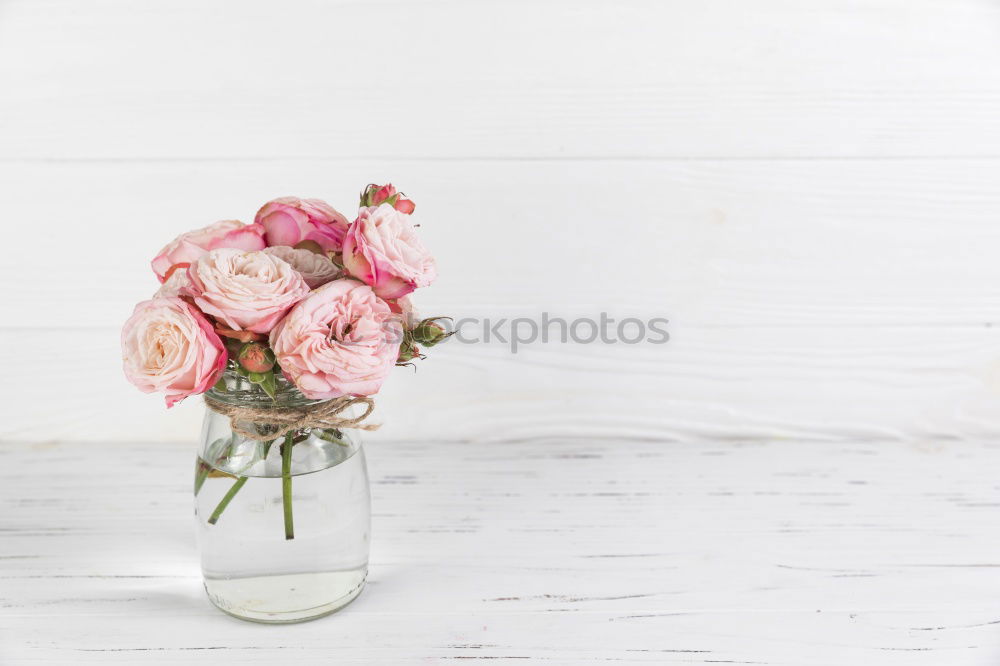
283	522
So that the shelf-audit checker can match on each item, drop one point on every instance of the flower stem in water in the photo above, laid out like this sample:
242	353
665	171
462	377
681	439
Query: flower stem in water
201	470
226	499
286	485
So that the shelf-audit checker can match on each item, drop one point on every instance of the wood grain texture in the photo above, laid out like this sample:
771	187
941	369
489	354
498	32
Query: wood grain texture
707	384
824	243
438	78
554	551
822	300
802	476
807	192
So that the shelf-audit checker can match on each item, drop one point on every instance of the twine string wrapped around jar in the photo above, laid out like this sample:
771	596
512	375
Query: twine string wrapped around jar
281	421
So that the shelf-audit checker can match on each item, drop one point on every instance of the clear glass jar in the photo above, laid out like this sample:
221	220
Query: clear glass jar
283	524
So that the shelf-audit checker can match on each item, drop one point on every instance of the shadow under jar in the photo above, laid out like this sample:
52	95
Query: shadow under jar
283	522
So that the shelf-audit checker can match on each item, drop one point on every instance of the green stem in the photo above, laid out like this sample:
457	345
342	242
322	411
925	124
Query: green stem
226	499
286	485
200	474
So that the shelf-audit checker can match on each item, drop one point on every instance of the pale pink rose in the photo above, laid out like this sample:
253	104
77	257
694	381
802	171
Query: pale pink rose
186	248
316	269
170	347
342	339
174	285
247	291
290	220
382	249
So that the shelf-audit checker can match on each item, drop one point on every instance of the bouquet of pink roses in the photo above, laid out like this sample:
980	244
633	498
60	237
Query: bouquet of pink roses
302	306
302	292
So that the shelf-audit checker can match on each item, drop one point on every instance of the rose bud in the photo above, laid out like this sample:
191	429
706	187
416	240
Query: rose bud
379	194
255	357
405	206
408	353
429	333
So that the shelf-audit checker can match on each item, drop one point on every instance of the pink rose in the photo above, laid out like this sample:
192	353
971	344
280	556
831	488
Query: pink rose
382	249
174	284
342	339
290	220
170	347
376	194
186	248
316	269
247	291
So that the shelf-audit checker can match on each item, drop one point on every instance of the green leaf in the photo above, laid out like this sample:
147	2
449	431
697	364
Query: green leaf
269	384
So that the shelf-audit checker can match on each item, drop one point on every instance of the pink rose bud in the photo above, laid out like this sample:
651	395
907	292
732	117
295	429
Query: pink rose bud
377	194
255	357
405	206
382	193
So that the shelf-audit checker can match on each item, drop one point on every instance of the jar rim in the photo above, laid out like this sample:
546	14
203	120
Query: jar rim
241	391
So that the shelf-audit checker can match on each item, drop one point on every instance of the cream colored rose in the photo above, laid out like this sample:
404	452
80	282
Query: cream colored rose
169	347
248	291
316	269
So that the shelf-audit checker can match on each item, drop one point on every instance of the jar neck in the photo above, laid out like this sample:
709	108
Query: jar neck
241	391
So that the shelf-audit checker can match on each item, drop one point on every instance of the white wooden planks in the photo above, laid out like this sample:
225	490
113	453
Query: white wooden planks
803	475
828	243
817	300
808	193
708	384
555	551
641	78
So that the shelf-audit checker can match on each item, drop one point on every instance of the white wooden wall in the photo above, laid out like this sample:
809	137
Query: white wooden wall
809	191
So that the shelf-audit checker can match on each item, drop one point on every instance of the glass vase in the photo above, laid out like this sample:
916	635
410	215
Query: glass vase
283	522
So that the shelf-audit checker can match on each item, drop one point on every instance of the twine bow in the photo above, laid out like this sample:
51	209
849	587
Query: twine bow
285	420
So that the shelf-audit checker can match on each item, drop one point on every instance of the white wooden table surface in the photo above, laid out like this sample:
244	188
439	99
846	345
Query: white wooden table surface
556	551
